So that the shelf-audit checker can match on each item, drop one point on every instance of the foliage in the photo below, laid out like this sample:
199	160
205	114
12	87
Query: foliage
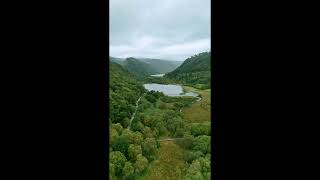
202	143
113	136
149	148
194	71
141	164
117	159
128	170
134	151
138	138
112	171
117	127
200	129
121	144
189	156
124	91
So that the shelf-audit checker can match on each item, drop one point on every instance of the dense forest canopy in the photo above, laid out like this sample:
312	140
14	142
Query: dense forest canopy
124	90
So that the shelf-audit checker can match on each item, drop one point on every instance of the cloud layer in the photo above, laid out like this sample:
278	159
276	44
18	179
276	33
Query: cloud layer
166	29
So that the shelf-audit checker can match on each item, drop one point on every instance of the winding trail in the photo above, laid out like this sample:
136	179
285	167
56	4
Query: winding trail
134	114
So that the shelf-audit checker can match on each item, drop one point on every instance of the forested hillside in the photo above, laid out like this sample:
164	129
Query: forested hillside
124	91
194	71
139	68
144	67
162	66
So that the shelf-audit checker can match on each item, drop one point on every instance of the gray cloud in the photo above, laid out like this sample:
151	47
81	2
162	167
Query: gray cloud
166	29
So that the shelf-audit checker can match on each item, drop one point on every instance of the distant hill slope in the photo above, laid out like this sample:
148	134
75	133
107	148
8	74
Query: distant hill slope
195	71
143	67
162	66
117	60
139	68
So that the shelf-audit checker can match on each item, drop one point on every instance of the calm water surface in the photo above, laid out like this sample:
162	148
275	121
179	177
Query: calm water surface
169	89
157	75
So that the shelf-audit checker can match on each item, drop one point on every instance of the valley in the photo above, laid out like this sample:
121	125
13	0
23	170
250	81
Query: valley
158	131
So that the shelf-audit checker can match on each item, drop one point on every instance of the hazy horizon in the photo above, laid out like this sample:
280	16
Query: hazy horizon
168	30
146	58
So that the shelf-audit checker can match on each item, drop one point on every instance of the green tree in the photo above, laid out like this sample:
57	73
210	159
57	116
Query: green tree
205	164
112	172
138	138
128	170
134	151
200	129
147	132
138	126
162	130
126	122
118	160
194	171
190	156
187	142
147	121
113	136
149	147
202	143
179	132
141	164
121	144
117	127
129	135
207	176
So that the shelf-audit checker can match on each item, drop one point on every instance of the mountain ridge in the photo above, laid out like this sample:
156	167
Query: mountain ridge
194	71
143	67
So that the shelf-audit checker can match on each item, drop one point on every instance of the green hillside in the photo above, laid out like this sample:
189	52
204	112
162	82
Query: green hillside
144	67
194	71
124	91
162	66
139	68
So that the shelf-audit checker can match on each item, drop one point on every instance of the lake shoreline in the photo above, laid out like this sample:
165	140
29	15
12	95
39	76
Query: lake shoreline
175	90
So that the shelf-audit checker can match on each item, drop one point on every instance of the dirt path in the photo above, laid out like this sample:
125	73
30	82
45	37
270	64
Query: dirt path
133	115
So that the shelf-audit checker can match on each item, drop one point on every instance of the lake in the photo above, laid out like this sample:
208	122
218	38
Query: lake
169	89
157	75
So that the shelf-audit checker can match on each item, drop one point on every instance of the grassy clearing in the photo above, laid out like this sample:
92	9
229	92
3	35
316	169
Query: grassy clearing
169	164
199	111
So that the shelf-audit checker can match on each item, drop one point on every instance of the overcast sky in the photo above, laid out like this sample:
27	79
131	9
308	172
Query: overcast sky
164	29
